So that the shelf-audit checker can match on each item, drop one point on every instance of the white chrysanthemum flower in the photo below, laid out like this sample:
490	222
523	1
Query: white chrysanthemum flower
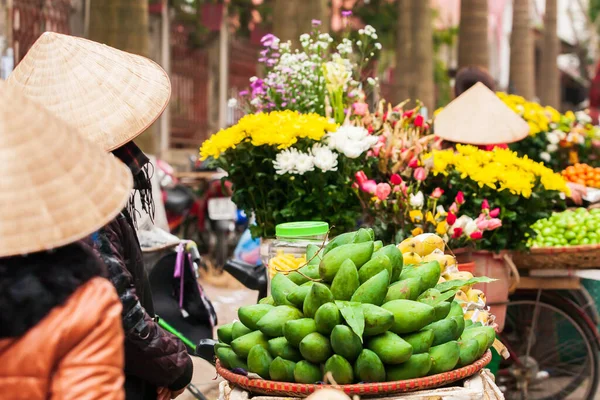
232	102
324	158
304	163
285	161
545	156
416	200
552	148
351	140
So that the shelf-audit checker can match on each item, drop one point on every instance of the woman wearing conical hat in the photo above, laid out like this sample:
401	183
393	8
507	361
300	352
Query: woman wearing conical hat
60	330
112	96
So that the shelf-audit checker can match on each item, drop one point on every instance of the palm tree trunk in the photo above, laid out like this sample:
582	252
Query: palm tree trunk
293	18
422	51
284	20
522	52
473	49
404	61
550	76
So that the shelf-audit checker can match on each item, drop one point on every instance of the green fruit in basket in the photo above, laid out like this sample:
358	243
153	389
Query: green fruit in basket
340	369
250	315
429	273
481	338
377	320
444	357
364	235
409	316
368	367
239	330
299	294
315	348
374	266
318	295
468	324
306	372
280	347
224	333
327	317
390	348
340	240
420	341
242	345
406	289
417	366
220	345
395	256
441	310
229	359
456	310
313	254
346	281
345	342
460	322
281	287
259	361
374	290
311	270
282	370
267	300
359	253
273	321
296	330
377	245
444	331
469	351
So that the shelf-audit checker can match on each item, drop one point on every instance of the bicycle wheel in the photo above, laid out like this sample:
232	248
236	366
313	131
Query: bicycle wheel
556	352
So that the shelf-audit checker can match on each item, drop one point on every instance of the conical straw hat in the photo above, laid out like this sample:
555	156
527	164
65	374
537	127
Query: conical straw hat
55	186
109	95
479	117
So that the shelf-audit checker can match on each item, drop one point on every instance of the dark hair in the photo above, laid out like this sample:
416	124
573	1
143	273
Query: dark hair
469	76
32	285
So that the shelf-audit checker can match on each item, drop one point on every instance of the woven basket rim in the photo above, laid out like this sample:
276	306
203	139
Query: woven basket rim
562	249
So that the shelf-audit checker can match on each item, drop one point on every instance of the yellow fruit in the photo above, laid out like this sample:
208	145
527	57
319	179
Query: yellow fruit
430	242
444	260
461	296
465	275
410	245
478	316
411	258
476	296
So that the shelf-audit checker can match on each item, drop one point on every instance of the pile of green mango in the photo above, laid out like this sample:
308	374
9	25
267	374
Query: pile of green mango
356	311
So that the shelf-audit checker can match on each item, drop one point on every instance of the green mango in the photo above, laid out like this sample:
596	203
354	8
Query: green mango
460	323
339	240
296	330
377	320
406	289
373	291
345	342
368	367
390	348
220	345
267	300
364	235
487	330
444	357
281	287
359	253
409	316
280	347
239	330
469	350
441	310
469	324
456	310
481	339
346	281
297	296
340	369
259	361
229	359
416	367
318	295
282	370
420	341
250	315
242	345
374	266
395	256
224	333
327	317
443	331
313	254
310	270
315	348
377	245
429	273
273	321
306	372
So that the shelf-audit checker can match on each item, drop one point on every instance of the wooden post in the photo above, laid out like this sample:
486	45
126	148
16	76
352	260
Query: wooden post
550	76
223	69
522	51
165	48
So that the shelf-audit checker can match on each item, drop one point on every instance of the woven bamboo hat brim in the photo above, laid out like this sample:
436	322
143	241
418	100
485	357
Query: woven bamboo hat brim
56	187
479	117
109	95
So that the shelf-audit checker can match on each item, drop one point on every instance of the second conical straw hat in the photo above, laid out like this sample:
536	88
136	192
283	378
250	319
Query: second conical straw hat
479	117
56	187
109	95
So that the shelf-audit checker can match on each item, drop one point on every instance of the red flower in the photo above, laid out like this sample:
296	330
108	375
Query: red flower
361	177
420	174
457	233
395	179
370	129
419	120
460	198
495	212
385	115
408	114
451	218
476	235
414	162
437	193
485	205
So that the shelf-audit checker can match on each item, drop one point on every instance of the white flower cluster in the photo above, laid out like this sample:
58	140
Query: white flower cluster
293	161
338	73
351	141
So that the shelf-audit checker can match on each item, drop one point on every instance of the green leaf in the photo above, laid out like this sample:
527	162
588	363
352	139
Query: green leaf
458	283
353	314
435	300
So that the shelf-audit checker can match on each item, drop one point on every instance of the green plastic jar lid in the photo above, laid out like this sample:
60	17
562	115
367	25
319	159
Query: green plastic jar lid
302	228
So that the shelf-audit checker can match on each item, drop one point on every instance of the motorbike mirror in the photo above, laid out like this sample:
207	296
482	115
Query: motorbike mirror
205	349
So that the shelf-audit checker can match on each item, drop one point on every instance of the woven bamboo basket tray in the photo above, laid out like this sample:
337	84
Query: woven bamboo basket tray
362	389
571	257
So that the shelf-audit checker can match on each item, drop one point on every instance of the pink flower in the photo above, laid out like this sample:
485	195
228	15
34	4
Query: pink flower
368	186
360	108
420	174
460	198
419	120
485	205
476	235
354	186
396	189
361	177
494	223
451	218
495	212
404	188
457	233
382	191
482	224
408	114
395	179
437	193
414	162
453	208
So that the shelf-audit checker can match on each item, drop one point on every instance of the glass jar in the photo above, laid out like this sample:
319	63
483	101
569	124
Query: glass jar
288	251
